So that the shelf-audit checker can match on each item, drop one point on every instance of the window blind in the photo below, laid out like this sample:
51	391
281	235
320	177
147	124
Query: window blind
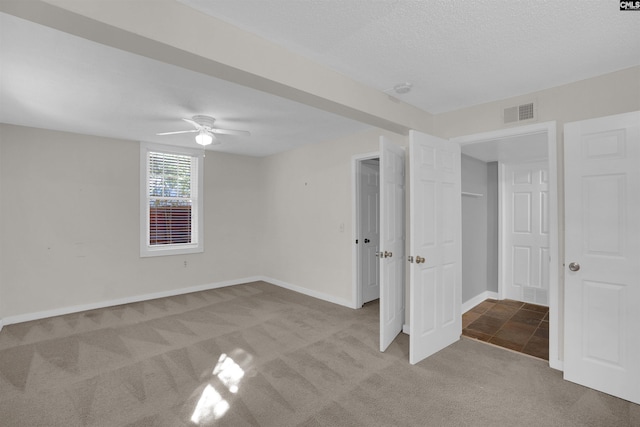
171	198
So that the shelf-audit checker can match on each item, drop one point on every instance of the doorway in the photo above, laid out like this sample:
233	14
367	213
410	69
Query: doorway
513	153
368	211
367	227
389	258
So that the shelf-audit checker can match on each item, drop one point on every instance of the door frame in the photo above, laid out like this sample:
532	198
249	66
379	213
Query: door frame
555	189
356	161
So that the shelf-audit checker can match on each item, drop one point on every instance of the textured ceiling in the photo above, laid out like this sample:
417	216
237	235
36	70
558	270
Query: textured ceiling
455	53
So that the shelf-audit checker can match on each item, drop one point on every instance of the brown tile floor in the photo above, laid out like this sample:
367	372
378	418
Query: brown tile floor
511	324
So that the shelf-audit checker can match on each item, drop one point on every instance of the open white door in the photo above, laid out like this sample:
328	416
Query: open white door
391	254
602	276
435	221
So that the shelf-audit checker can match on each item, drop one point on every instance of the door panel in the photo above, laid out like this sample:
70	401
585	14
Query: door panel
435	216
369	235
602	217
392	238
526	232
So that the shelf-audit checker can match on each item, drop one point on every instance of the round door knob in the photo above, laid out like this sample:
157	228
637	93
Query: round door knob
388	254
574	266
419	260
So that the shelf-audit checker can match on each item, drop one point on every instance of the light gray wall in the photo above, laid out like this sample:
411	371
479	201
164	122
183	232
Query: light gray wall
241	206
70	218
2	203
474	228
308	235
492	226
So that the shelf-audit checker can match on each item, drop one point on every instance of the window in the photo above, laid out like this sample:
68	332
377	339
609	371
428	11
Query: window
170	200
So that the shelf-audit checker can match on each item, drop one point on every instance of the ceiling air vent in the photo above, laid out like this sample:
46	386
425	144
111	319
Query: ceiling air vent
519	113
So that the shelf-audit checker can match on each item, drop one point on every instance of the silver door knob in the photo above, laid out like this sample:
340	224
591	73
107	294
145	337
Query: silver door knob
419	260
574	266
388	254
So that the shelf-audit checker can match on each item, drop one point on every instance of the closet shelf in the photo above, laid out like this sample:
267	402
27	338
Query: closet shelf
466	193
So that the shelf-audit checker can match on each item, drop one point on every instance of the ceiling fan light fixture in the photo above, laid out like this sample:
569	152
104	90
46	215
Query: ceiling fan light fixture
204	138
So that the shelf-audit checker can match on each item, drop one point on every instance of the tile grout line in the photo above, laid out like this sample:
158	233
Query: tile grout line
520	308
505	322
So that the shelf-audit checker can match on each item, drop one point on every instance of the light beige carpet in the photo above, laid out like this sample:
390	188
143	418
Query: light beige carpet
258	355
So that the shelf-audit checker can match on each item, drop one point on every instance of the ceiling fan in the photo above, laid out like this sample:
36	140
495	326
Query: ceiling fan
204	126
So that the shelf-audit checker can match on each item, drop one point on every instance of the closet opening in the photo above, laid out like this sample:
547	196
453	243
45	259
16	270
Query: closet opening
508	237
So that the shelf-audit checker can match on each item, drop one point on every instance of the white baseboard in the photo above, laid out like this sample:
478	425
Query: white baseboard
102	304
173	292
309	292
468	305
556	364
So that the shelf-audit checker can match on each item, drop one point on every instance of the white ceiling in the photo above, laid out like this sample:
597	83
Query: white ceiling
456	54
54	80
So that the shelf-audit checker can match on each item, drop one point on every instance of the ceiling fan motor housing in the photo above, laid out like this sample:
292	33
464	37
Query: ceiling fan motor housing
204	121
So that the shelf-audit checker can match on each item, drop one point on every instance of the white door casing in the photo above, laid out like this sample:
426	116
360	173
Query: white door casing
435	284
369	222
499	140
602	220
526	232
392	238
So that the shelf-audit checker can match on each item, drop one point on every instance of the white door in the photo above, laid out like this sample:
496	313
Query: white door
435	284
602	262
369	235
526	232
391	254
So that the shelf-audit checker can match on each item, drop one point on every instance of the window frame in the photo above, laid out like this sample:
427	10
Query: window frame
197	202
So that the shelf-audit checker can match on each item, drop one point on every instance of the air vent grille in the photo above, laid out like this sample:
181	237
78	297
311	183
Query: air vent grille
519	113
525	111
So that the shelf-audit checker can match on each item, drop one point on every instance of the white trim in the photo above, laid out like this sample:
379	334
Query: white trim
127	300
468	305
405	329
173	292
308	292
198	182
550	129
355	222
502	208
504	133
466	193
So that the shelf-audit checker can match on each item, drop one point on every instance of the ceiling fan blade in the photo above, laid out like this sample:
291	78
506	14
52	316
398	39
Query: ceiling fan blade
231	132
194	123
180	131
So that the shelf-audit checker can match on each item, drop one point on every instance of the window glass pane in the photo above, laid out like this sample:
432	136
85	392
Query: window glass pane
169	175
169	222
170	201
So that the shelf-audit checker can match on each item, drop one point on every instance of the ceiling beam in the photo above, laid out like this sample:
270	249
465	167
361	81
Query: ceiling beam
168	31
